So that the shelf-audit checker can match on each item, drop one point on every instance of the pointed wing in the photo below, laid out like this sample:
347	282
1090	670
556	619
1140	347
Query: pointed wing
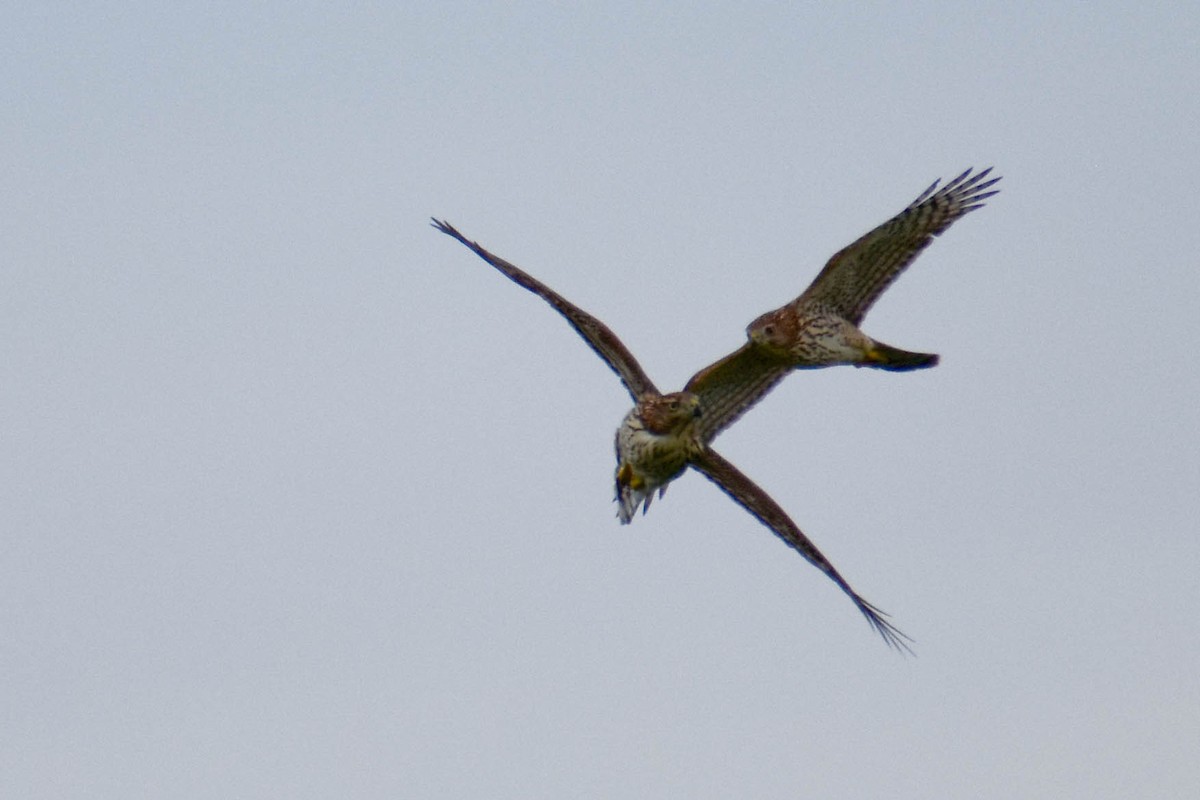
750	497
594	332
730	387
854	278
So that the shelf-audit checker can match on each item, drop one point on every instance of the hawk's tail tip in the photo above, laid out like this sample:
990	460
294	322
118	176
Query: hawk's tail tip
884	356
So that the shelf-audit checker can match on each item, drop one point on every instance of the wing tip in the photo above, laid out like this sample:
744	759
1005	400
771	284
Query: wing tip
448	229
895	638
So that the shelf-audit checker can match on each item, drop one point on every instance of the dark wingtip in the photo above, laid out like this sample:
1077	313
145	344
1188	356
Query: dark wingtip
452	232
895	638
444	227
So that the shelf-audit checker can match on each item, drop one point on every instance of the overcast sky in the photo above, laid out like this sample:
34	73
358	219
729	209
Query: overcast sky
299	498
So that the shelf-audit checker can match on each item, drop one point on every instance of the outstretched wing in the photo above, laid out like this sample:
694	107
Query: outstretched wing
595	333
730	387
750	497
855	277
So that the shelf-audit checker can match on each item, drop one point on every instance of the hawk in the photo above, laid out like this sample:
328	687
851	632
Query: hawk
820	327
664	434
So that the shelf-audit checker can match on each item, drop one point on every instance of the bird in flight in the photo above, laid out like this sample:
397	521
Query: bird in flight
820	327
666	433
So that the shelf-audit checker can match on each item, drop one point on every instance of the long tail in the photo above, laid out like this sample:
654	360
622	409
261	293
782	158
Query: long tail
893	359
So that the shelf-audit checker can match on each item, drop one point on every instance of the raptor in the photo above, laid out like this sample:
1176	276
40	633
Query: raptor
664	434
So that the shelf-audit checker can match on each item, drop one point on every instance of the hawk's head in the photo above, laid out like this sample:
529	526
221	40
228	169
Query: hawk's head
668	413
774	331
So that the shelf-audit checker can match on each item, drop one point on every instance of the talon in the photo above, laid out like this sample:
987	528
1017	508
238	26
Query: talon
627	477
624	474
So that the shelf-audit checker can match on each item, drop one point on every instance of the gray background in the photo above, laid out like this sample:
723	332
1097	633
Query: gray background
298	498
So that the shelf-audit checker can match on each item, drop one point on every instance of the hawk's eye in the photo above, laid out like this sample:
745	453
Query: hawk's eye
674	405
769	330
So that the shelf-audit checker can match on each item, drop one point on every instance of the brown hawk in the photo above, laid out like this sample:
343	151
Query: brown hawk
664	434
820	327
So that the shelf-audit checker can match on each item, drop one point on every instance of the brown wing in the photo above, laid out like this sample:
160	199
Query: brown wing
595	333
730	387
855	277
750	497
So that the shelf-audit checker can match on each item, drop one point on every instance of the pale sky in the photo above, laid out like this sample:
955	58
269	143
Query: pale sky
298	498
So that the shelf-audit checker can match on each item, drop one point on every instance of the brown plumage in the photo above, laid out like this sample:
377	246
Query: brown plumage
820	327
664	434
655	442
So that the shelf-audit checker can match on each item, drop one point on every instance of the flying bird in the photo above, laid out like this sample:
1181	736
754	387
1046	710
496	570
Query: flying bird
666	433
820	327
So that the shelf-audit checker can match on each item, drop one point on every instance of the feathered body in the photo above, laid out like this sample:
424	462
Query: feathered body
664	434
820	327
655	442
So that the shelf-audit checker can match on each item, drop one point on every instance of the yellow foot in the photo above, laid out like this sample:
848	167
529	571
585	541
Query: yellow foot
627	477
